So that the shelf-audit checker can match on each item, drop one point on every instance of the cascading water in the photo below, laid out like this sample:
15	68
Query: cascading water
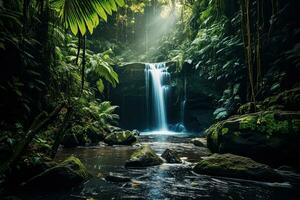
158	76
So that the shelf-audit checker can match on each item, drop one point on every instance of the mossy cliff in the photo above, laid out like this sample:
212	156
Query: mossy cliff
267	131
268	136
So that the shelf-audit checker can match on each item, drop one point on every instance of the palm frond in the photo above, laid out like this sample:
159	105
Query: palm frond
83	15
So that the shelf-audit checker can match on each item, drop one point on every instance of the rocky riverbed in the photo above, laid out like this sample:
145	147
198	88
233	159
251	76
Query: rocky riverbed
112	180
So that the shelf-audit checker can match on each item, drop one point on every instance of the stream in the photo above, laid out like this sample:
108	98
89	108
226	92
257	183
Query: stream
167	181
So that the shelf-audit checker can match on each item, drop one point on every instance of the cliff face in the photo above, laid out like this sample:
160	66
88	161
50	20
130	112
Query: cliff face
190	99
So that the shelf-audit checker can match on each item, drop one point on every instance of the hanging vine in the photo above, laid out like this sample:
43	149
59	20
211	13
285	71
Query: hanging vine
246	13
258	46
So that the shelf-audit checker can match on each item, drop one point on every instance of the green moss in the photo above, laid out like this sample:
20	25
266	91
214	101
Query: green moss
143	157
224	131
213	131
268	124
248	122
76	166
121	138
235	166
145	150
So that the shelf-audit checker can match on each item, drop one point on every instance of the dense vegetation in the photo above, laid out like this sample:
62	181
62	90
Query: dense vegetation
61	59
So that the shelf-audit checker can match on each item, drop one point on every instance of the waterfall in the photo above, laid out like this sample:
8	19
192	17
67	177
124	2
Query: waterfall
157	78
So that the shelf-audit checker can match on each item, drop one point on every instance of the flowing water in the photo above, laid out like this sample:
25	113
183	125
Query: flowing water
157	77
167	181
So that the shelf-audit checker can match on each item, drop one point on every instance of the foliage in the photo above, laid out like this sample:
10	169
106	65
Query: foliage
42	60
100	65
82	15
103	113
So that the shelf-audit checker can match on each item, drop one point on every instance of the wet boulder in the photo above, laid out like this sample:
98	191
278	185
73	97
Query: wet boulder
170	156
233	166
143	157
200	142
121	138
66	174
272	137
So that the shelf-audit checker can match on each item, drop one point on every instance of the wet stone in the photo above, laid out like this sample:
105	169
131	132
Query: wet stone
170	156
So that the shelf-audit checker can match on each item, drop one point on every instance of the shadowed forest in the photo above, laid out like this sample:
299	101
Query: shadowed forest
149	99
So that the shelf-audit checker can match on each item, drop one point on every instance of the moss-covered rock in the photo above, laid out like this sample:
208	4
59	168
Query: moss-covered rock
171	156
144	157
229	165
64	175
269	136
121	138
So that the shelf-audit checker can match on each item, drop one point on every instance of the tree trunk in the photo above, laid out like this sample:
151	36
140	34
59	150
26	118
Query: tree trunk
61	132
78	48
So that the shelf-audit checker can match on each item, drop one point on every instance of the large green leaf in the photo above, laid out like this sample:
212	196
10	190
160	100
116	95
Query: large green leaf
97	65
83	15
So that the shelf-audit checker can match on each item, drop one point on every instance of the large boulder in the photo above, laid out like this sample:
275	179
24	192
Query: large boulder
170	156
121	138
64	175
143	157
269	136
233	166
